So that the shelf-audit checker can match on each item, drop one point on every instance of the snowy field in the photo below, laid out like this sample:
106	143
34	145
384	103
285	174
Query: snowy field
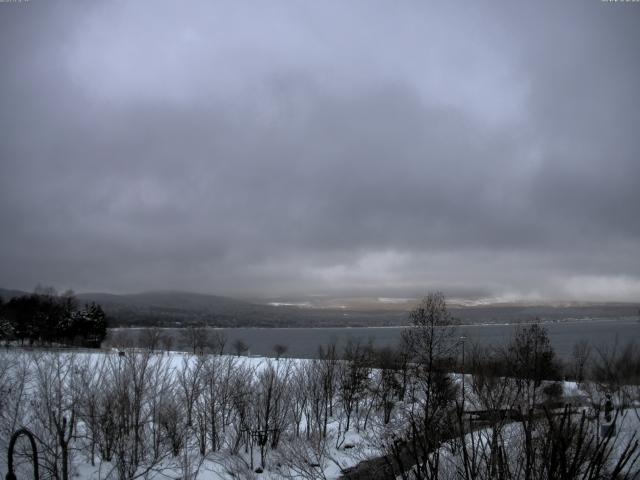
180	416
169	375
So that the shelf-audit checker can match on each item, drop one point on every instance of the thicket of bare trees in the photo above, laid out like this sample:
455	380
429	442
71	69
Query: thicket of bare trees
134	414
518	429
510	422
138	414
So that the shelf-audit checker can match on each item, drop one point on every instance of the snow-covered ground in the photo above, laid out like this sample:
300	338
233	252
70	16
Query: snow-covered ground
339	449
303	455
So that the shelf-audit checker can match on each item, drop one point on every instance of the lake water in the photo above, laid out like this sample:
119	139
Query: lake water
304	342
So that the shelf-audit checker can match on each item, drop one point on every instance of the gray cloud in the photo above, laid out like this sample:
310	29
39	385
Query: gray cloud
322	147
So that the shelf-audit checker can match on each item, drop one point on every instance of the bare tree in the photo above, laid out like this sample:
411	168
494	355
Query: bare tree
493	398
123	338
615	372
532	360
91	381
240	347
322	379
432	394
196	338
243	388
298	386
271	405
189	384
166	340
134	382
385	384
279	350
353	378
151	338
329	367
566	446
214	405
162	393
317	405
581	355
305	458
14	382
56	410
217	340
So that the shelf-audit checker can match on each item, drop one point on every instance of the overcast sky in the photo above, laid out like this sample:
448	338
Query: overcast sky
341	148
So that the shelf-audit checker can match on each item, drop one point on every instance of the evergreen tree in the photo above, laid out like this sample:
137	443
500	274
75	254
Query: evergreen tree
48	318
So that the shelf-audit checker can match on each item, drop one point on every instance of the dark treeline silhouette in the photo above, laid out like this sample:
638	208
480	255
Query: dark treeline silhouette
44	317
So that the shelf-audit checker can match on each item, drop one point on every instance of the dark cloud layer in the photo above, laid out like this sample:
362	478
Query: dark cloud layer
341	148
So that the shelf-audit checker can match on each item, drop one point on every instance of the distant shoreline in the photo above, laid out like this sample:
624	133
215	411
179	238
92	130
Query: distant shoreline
352	327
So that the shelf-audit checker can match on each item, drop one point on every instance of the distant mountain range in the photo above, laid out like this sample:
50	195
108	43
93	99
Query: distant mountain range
167	299
172	308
